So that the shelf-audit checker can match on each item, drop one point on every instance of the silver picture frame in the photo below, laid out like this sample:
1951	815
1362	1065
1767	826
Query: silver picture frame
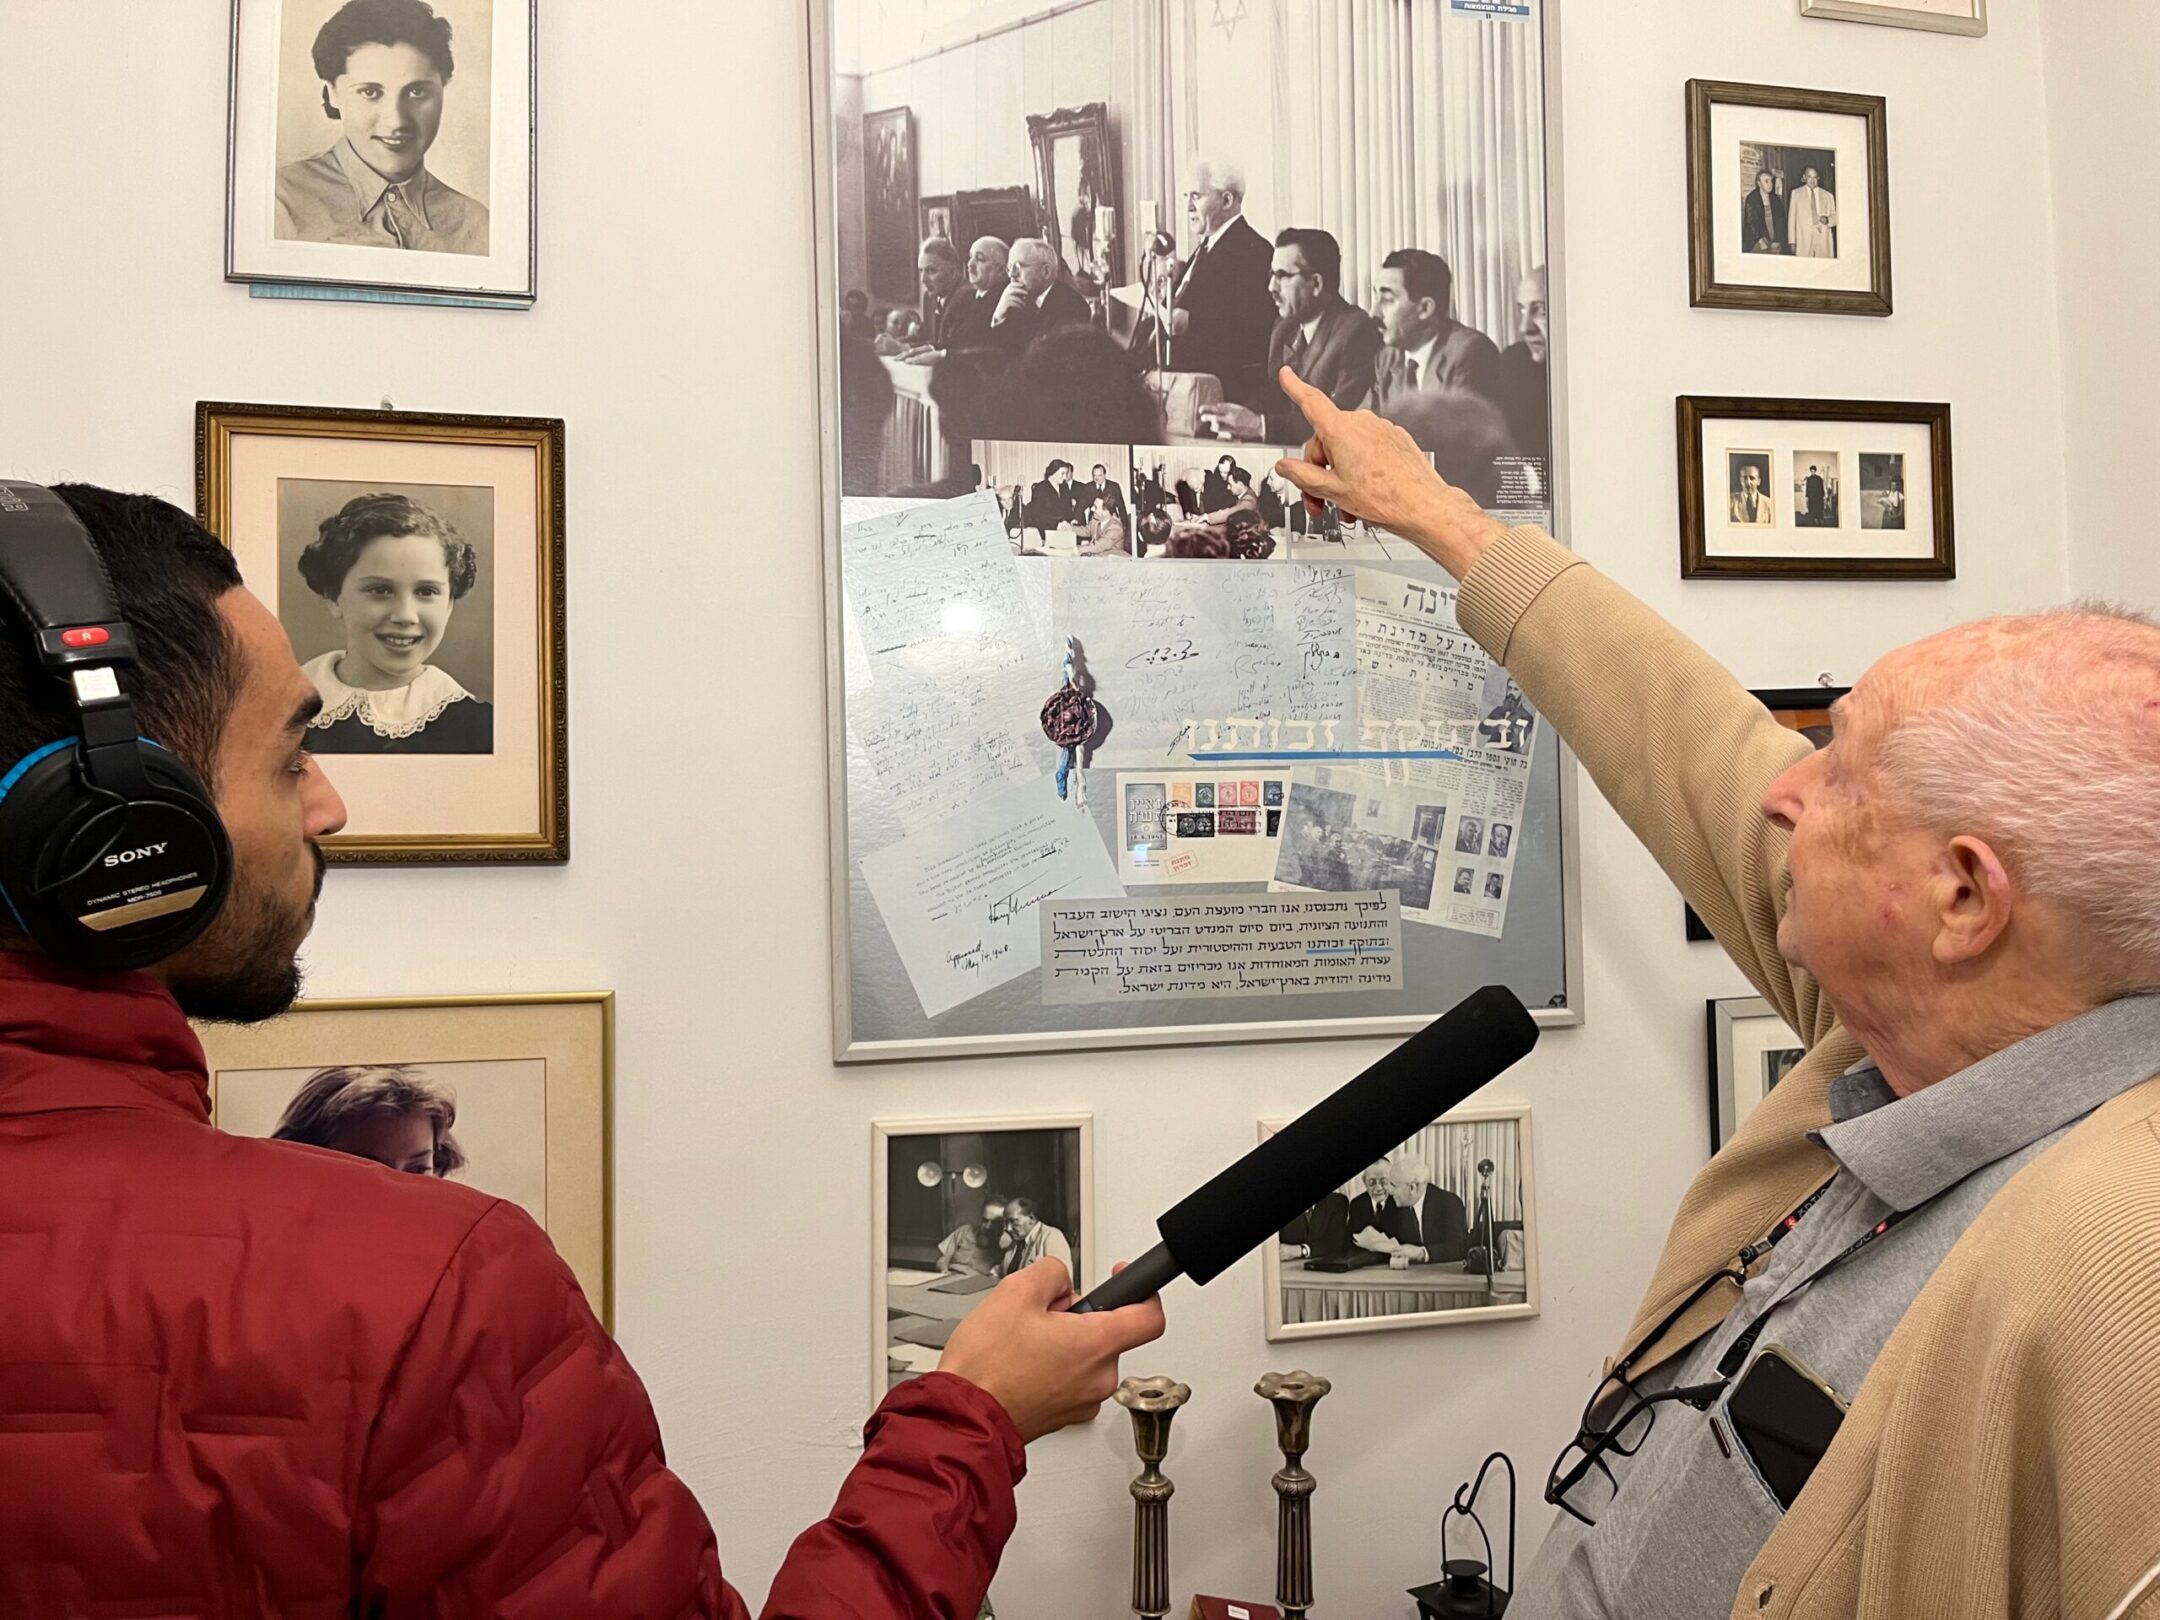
852	1046
1887	14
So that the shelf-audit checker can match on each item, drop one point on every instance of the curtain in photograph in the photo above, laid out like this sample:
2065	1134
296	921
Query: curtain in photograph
1453	1152
1151	146
1400	125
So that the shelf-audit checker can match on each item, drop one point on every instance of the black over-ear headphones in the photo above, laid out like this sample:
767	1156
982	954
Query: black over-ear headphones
112	855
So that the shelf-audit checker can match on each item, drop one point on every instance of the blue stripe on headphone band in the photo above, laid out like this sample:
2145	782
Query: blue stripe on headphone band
23	769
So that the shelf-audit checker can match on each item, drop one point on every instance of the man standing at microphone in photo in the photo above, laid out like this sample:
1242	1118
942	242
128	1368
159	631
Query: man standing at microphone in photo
1937	1242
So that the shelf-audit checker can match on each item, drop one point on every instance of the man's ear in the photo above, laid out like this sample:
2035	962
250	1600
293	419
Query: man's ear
1972	900
329	107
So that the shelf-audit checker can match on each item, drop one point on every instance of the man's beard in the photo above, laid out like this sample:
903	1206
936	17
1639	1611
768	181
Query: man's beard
245	970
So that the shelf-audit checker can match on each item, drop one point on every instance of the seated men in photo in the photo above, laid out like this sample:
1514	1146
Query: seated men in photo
1433	1224
1036	300
1320	335
1034	1238
1525	396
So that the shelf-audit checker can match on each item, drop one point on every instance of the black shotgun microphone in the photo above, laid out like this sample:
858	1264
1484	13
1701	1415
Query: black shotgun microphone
1435	1070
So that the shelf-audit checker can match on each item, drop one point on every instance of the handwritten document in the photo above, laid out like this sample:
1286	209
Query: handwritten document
1210	656
945	661
1135	951
960	900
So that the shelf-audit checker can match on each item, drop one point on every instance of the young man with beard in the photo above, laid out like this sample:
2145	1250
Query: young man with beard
243	1376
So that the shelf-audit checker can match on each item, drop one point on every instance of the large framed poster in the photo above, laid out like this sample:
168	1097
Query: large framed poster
1127	747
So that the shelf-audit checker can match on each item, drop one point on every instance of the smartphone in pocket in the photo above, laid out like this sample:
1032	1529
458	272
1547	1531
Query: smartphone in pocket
1784	1417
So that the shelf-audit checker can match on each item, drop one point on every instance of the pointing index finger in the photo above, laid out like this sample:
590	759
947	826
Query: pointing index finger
1314	402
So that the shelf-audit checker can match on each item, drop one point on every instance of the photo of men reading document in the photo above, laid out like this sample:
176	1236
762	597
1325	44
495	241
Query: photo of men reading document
1389	256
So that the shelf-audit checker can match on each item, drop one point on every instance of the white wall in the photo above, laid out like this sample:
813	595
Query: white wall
678	344
2102	59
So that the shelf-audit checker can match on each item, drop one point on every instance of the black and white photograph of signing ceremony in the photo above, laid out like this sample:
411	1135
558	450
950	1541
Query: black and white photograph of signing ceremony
1104	225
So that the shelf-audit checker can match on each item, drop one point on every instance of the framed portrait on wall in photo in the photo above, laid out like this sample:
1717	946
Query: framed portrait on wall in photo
959	1205
889	200
1442	1231
1751	1050
511	1095
1788	199
1815	489
416	561
1937	16
384	144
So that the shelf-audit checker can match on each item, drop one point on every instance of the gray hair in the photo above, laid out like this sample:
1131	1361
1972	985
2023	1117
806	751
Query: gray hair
937	247
1216	175
1027	247
1411	1167
992	247
2048	746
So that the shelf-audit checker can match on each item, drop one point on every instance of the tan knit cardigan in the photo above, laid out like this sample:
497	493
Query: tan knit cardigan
2003	1456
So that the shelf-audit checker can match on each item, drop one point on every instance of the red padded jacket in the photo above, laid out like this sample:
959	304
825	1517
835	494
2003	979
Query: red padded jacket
249	1379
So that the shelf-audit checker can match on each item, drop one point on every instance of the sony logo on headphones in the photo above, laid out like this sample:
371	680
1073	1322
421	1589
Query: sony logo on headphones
128	855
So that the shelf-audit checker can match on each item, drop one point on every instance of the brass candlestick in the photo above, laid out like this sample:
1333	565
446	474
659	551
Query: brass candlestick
1153	1402
1293	1395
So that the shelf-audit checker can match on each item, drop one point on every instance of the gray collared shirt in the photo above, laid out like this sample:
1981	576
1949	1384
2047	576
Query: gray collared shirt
335	197
1690	1512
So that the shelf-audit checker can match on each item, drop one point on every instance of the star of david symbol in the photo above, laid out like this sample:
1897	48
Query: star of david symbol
1228	22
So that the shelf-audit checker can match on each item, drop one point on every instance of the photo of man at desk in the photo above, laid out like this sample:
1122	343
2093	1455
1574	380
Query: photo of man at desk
1439	1228
964	1207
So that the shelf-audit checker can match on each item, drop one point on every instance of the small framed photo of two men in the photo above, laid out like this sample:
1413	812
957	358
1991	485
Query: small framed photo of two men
416	563
385	144
1815	489
509	1095
959	1205
1788	199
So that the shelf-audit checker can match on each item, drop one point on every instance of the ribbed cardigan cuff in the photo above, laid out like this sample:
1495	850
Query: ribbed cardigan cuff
1511	575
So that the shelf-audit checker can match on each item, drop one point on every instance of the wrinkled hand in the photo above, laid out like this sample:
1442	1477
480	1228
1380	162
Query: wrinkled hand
1373	470
1048	1369
1009	303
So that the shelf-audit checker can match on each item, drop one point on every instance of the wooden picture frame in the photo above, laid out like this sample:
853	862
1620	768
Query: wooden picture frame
890	203
1752	1048
1908	433
1304	1304
916	1283
1081	134
1891	14
532	1078
1855	282
267	479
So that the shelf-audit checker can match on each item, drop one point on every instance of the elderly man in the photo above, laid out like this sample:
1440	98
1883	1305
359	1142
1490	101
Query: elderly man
1220	312
1525	395
1320	335
963	320
1034	1239
1944	1224
1435	1226
1037	300
1812	217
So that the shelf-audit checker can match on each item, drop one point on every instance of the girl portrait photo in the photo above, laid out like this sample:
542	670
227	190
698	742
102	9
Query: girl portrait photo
388	580
415	561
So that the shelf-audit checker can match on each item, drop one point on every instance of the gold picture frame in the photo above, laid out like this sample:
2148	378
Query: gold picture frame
515	806
556	1050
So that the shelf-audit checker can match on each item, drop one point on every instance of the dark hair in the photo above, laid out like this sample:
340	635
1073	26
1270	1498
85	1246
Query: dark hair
855	298
1239	477
1051	471
1203	544
1247	533
1425	275
1321	252
1074	385
1100	467
342	536
168	574
1023	1206
330	1099
382	22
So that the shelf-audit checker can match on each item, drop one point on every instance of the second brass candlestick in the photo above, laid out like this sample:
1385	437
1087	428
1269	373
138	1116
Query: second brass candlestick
1293	1395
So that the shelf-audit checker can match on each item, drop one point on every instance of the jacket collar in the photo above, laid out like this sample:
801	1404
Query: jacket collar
72	1040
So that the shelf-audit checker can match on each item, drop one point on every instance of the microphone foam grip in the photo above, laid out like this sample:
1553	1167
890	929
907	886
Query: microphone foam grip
1437	1069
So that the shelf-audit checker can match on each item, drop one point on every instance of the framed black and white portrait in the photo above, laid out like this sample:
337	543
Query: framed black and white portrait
960	1205
1441	1231
1815	489
383	144
1788	199
1936	16
416	562
508	1094
889	199
1751	1050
